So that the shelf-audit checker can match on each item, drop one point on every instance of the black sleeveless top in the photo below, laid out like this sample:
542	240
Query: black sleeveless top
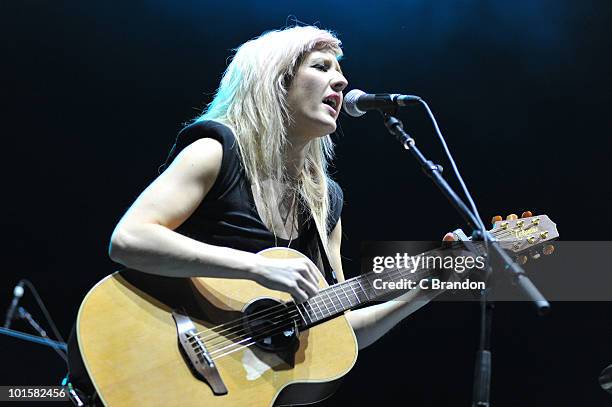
228	216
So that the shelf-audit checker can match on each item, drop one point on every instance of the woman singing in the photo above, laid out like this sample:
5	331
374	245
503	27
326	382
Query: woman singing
251	173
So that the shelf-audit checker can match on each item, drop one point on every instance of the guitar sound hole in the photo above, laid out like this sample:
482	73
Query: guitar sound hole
270	324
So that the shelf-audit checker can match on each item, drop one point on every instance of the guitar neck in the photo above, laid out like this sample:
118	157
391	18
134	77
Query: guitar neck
517	235
361	290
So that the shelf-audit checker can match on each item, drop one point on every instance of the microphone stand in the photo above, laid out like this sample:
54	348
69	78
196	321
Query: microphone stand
43	339
482	371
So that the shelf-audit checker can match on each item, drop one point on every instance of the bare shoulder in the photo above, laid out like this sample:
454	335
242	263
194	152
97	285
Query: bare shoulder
171	198
201	159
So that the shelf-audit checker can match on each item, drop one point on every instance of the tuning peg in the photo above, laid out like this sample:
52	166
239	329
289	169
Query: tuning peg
496	218
548	249
526	214
512	216
449	237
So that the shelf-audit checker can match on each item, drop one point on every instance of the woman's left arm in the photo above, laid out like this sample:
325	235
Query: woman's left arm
370	323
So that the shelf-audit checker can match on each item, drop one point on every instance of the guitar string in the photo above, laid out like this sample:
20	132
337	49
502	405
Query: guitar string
291	321
240	321
287	321
295	312
240	334
237	346
279	309
295	316
331	310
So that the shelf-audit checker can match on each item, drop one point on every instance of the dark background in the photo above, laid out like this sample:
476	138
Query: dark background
93	95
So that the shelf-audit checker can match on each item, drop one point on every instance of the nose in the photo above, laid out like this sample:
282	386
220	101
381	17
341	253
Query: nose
339	83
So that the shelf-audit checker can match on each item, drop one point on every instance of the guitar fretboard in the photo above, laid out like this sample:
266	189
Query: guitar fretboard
359	290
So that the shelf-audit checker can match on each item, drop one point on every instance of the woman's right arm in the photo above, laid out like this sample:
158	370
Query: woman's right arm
145	240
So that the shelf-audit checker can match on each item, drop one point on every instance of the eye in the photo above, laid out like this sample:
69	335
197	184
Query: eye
321	67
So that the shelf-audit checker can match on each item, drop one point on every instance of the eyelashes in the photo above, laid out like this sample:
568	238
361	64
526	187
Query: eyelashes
325	66
321	67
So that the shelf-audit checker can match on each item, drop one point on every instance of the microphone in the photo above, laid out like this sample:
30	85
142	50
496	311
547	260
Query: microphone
10	314
357	102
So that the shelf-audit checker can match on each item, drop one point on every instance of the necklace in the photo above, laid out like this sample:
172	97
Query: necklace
291	211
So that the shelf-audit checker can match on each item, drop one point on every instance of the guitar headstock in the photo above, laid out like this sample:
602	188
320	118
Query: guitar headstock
522	234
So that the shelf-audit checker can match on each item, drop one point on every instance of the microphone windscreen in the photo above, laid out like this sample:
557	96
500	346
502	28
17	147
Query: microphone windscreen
350	103
605	379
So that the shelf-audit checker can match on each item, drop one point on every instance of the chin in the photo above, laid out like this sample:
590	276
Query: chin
319	127
331	129
328	127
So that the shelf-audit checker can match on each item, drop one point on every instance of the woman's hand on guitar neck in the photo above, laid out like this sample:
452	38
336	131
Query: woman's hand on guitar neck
450	237
298	277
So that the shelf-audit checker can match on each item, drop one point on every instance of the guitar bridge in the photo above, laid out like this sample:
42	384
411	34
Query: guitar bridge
197	354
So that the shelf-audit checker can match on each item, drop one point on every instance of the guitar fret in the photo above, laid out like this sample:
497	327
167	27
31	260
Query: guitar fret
319	307
338	297
350	304
326	307
364	291
312	311
356	296
303	315
360	290
331	301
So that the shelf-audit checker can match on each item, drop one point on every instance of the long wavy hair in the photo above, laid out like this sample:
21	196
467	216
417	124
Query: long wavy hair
252	101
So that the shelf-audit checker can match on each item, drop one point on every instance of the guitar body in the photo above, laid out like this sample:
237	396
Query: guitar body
128	341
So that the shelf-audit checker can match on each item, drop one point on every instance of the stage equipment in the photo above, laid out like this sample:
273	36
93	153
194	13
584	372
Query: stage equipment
10	313
495	254
605	379
59	346
357	102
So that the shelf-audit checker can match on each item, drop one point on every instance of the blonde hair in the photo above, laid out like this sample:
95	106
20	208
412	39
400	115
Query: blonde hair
252	101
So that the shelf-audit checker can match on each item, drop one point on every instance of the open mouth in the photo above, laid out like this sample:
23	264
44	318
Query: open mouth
332	101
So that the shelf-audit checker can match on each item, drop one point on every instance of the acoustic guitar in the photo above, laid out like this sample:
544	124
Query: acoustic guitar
147	340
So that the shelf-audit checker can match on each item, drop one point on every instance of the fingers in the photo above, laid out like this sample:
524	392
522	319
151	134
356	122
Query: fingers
307	286
311	279
297	277
307	282
298	294
313	273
